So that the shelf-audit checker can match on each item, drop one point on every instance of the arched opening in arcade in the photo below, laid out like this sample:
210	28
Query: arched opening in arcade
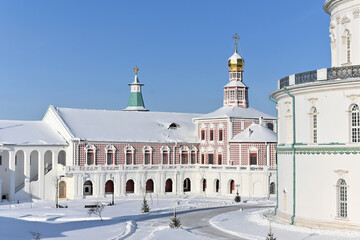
168	185
203	185
130	186
19	170
88	188
109	187
231	186
187	185
217	185
150	186
62	158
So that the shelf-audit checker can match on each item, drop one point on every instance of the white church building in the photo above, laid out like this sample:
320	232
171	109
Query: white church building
88	153
319	132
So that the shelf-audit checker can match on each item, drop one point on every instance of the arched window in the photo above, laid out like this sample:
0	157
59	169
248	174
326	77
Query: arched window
149	186
217	185
355	124
62	189
187	185
193	150
204	185
272	188
110	154
314	124
168	185
342	199
184	154
90	154
231	186
348	46
147	150
88	188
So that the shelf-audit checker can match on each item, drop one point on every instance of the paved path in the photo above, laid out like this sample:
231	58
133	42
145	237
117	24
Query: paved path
195	221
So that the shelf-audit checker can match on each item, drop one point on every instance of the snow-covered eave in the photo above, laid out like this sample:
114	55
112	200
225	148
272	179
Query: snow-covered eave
135	141
61	120
226	117
250	141
33	144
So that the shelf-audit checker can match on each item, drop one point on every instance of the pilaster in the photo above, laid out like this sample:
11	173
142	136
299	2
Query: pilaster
12	175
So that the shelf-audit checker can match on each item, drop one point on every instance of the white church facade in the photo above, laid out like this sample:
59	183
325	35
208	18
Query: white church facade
319	132
97	153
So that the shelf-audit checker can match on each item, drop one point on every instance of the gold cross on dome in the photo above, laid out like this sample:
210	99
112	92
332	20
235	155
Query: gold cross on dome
136	69
236	38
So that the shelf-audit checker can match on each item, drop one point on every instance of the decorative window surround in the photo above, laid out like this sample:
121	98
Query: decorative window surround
110	150
147	152
90	155
129	155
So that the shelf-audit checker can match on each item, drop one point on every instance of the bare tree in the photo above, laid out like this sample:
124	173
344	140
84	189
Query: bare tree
97	210
36	235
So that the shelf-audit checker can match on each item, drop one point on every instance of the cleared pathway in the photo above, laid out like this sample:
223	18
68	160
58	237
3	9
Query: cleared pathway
195	221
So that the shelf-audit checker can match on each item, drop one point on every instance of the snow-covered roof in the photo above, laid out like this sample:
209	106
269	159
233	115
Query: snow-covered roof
235	84
127	126
236	112
29	133
255	133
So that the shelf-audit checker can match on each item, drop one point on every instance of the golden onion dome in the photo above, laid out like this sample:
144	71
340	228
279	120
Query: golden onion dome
236	62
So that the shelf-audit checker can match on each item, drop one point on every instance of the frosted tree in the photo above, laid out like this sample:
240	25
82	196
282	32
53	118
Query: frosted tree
269	215
145	207
175	221
97	210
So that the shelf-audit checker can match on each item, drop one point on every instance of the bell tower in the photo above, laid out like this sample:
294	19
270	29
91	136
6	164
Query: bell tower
136	102
236	92
344	31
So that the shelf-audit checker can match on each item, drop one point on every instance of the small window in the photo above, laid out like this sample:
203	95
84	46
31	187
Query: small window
253	158
239	94
211	135
129	157
202	158
184	158
147	157
192	157
232	94
221	135
202	135
219	159
270	126
110	157
272	188
355	124
165	157
173	126
0	160
314	126
211	158
90	157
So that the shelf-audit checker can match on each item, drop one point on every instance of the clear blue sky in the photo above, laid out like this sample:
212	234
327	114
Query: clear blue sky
81	53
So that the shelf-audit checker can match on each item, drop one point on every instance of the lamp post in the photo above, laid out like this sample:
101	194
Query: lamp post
57	190
270	174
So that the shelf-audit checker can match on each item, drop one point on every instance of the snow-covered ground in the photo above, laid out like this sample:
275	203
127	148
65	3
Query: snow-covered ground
17	221
251	224
124	220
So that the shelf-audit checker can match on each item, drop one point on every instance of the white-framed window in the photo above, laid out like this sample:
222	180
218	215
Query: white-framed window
129	155
240	94
232	94
211	135
165	155
193	154
342	198
355	123
314	125
110	154
184	155
348	46
147	151
90	154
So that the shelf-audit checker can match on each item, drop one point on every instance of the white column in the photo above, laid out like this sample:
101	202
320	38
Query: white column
55	157
12	175
27	171
122	184
78	186
102	185
41	176
268	155
162	184
1	187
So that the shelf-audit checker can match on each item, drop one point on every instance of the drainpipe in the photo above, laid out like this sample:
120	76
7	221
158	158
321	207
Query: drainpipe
293	153
276	156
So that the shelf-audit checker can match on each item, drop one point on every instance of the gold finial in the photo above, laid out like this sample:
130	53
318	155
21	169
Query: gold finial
236	38
136	69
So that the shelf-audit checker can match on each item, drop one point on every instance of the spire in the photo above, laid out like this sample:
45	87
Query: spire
136	102
236	38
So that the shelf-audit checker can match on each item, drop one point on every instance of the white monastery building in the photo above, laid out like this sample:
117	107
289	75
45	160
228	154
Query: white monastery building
319	132
97	153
